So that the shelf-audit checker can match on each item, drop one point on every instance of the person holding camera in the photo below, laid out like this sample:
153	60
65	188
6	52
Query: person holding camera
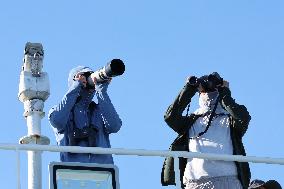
78	121
217	126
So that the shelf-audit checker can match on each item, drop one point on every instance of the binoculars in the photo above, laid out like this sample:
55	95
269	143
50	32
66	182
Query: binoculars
208	83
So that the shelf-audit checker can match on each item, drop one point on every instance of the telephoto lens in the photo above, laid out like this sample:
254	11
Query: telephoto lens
114	68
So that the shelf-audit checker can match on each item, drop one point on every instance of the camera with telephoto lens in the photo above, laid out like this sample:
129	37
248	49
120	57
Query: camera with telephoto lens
208	83
114	68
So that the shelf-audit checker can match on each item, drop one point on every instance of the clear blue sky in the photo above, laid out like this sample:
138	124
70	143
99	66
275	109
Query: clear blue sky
161	42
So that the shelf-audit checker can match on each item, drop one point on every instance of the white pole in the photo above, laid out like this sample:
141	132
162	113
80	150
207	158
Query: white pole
34	170
18	169
34	123
33	91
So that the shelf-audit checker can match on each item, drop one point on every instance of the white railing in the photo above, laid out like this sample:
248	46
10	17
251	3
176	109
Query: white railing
120	151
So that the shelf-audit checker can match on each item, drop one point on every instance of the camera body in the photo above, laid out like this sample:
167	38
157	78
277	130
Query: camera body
207	83
86	133
114	68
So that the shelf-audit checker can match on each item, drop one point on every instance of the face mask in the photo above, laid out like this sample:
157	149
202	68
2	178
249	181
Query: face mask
207	100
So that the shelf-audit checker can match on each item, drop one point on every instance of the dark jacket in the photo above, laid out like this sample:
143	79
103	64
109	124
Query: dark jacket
239	120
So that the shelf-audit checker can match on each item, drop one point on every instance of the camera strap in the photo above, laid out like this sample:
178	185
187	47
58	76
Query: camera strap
209	122
90	126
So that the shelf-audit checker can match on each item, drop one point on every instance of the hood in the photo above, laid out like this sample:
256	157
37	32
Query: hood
207	102
76	70
86	96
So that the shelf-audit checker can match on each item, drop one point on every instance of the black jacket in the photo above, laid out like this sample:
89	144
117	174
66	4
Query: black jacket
239	120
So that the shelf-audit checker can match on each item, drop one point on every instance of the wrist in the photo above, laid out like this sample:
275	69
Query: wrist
101	87
191	89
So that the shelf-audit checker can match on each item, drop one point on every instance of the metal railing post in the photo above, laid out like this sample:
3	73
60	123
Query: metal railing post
18	168
177	172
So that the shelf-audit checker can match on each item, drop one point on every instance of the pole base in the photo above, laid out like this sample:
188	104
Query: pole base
35	139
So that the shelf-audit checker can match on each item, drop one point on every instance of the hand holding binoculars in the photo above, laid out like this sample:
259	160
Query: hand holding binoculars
208	83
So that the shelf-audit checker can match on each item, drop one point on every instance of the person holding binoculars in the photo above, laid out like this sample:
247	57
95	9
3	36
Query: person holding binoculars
78	121
217	126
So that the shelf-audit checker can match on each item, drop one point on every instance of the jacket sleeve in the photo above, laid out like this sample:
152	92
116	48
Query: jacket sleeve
239	113
111	119
59	114
173	116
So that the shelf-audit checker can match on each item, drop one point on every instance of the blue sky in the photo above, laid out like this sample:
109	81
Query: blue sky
161	43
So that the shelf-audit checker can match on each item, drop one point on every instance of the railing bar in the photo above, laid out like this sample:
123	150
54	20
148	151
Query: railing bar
118	151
